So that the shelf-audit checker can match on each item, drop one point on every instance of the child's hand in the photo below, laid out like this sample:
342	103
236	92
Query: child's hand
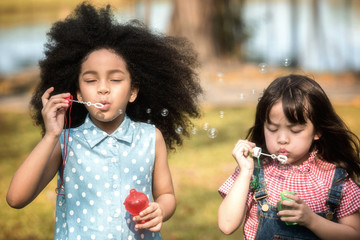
300	213
153	215
241	153
53	112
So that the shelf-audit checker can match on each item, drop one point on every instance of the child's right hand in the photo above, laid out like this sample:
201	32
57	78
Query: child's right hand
241	153
53	112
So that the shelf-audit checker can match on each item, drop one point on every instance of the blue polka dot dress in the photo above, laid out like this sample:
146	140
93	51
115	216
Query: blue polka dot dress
99	172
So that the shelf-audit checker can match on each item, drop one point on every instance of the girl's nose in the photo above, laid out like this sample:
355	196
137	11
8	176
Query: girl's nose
103	87
283	138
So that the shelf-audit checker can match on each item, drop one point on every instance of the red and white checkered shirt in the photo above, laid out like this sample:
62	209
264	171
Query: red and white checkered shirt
310	181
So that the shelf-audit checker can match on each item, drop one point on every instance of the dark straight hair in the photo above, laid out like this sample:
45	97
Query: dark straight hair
303	99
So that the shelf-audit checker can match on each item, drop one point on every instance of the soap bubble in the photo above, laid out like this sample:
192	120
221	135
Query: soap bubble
263	67
286	62
241	96
206	126
148	111
179	130
164	112
221	114
212	133
149	121
253	91
194	130
120	111
220	77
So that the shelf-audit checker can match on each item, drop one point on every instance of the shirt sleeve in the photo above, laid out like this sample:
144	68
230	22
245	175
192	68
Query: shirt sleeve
227	185
350	201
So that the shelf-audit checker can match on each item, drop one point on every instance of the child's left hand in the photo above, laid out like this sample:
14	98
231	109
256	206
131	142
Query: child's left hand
300	213
153	215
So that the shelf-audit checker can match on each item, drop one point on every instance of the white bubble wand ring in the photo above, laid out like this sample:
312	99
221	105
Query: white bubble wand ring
281	158
97	105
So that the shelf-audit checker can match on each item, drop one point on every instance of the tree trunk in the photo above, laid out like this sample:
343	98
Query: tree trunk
191	19
213	26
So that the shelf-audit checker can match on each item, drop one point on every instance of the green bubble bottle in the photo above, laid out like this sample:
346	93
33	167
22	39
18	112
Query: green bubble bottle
282	207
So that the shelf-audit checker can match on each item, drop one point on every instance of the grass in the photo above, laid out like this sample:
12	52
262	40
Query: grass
198	169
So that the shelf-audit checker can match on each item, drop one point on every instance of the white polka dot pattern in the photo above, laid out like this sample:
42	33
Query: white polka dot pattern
99	173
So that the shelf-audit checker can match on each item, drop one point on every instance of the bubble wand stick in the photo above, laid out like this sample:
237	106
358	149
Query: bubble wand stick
281	158
97	105
257	153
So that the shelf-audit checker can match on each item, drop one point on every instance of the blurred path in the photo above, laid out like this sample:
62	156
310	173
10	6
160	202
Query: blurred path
225	84
234	84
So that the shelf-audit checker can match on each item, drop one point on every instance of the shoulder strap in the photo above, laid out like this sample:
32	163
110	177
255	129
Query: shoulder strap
260	192
335	192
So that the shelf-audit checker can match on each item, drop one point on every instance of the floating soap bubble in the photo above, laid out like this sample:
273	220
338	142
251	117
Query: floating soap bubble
253	91
212	133
120	111
194	130
148	111
221	114
148	121
263	67
220	77
164	112
206	126
241	96
179	130
286	62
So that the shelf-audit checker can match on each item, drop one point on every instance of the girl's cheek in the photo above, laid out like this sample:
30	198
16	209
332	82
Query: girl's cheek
270	145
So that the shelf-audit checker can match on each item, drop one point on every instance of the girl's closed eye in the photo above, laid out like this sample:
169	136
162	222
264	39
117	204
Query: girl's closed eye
272	129
90	80
297	129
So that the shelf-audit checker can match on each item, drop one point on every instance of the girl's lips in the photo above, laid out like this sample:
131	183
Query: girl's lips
283	152
106	106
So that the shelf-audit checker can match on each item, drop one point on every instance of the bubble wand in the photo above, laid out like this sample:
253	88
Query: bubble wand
257	152
281	158
97	105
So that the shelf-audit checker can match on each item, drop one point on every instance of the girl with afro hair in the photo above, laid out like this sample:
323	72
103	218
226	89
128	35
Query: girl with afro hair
138	88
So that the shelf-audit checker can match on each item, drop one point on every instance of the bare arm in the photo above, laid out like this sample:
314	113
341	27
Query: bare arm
34	173
163	191
347	228
232	210
41	165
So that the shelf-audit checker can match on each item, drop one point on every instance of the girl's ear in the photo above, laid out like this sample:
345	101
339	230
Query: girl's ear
317	136
78	95
134	93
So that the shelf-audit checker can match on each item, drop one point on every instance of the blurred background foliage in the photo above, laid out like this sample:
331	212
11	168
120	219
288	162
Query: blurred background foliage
242	44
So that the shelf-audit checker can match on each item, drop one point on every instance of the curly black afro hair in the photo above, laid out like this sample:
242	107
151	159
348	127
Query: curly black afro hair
163	67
